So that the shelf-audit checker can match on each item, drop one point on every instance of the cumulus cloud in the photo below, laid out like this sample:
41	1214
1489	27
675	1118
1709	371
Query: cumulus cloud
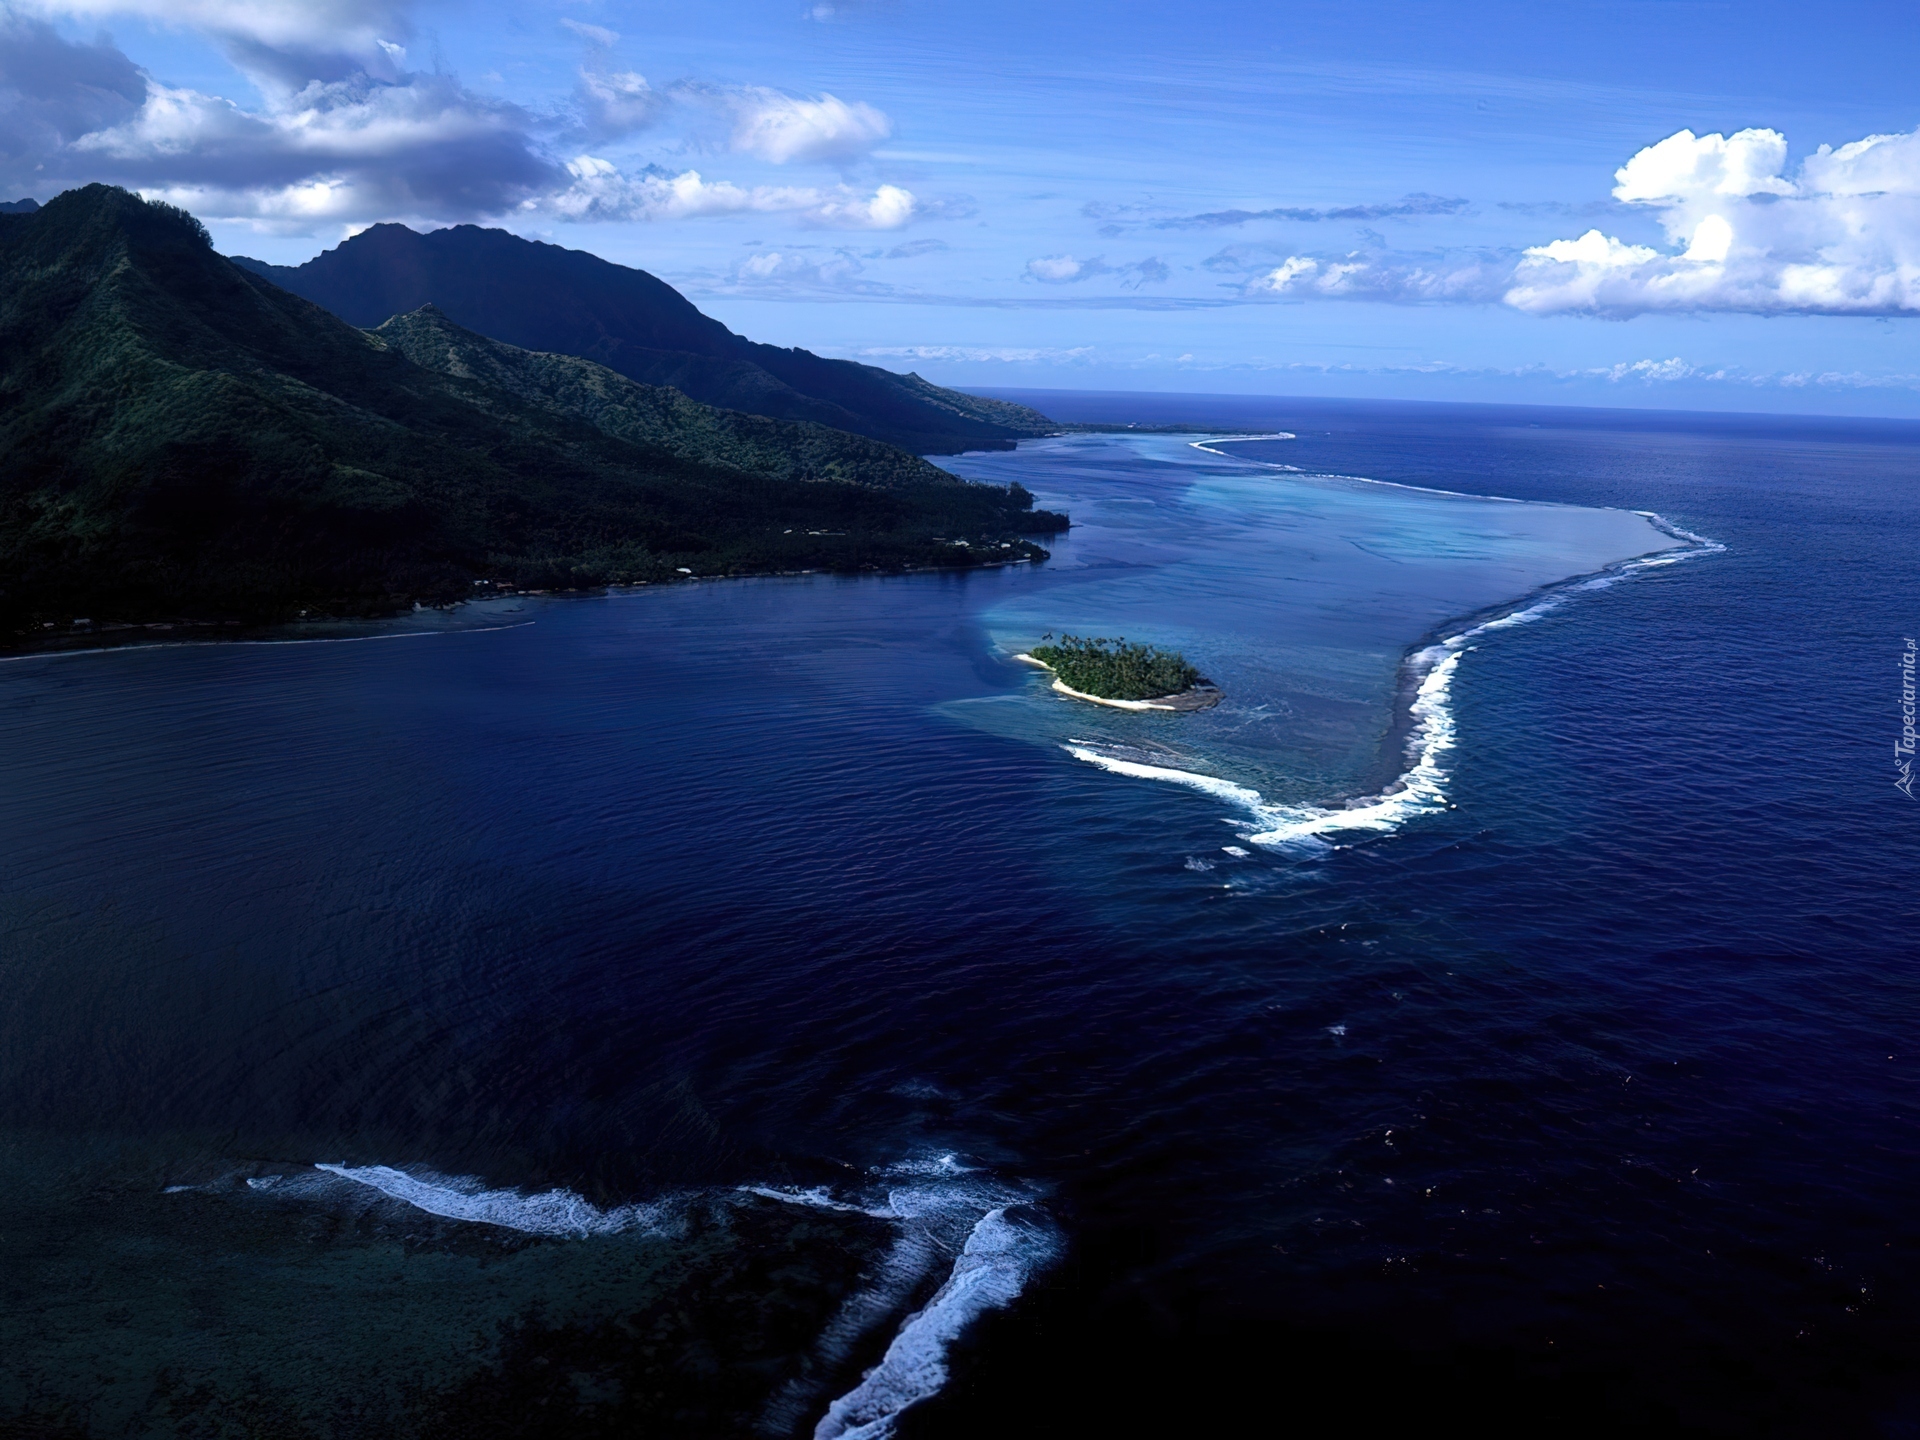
601	191
1837	235
1069	270
341	152
346	134
780	128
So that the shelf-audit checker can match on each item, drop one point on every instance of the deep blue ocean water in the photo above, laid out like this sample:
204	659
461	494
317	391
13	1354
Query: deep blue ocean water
703	981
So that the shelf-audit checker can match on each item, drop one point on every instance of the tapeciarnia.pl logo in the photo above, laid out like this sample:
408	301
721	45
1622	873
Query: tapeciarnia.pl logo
1903	747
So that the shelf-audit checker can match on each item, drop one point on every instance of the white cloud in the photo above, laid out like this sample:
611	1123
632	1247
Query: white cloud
593	34
278	43
1003	354
600	191
344	152
1058	269
1838	236
614	103
794	271
345	135
1395	279
1651	371
782	128
1068	270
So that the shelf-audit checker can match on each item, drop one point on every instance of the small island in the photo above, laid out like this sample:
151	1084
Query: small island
1127	677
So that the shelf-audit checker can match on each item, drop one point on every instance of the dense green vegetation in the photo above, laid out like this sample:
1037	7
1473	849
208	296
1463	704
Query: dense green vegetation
655	417
553	300
1115	670
183	439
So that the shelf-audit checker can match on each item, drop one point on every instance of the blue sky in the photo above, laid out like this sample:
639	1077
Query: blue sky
1481	201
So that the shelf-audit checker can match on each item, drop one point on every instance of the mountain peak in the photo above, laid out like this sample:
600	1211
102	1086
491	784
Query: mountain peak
550	299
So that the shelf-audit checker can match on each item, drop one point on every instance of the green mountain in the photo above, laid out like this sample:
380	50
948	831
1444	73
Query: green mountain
655	417
567	302
183	438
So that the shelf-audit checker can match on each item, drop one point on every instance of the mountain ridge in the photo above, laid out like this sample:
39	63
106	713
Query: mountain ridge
550	299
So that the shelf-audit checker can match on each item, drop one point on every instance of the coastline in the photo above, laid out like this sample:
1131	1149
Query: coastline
1196	697
86	642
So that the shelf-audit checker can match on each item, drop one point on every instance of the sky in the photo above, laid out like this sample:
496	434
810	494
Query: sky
1638	203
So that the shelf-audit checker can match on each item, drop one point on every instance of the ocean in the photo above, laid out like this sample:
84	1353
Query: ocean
762	1007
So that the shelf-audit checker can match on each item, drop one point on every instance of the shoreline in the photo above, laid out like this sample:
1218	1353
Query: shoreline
1200	696
76	642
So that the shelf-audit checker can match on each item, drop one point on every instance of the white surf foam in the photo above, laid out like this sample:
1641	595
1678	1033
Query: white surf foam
942	1208
1000	1256
554	1212
1214	440
1422	788
818	1197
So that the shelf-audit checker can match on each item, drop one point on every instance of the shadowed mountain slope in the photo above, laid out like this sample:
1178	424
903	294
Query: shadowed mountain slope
546	298
182	437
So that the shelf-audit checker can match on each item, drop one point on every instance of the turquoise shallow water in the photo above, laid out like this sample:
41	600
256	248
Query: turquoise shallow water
1301	595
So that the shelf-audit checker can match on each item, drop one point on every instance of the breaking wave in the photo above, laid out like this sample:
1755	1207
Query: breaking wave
1216	440
992	1239
1421	789
553	1212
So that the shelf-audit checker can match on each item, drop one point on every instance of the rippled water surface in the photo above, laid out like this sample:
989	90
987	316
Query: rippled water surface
762	1008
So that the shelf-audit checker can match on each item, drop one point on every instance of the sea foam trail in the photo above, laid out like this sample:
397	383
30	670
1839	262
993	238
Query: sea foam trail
998	1241
1422	788
554	1212
999	1257
1208	444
